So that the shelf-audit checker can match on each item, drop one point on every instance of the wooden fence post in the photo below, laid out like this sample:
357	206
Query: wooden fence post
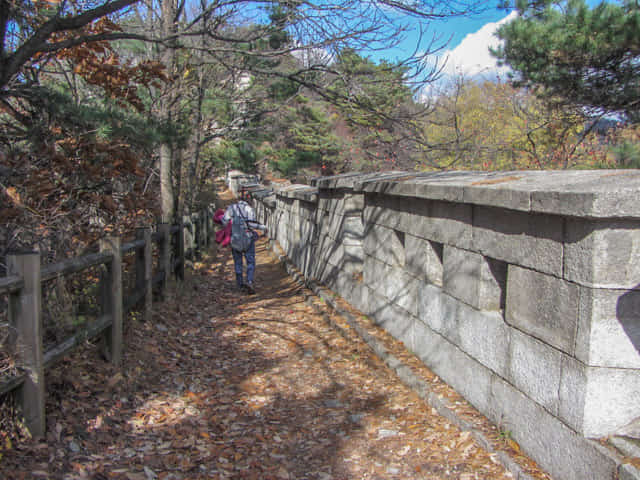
164	260
194	236
212	227
203	230
201	233
186	236
25	313
195	220
144	268
113	297
180	249
207	226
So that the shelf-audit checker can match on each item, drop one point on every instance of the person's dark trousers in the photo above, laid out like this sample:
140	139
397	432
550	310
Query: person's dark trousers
250	256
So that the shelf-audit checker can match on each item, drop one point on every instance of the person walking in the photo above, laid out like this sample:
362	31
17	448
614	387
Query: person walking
243	241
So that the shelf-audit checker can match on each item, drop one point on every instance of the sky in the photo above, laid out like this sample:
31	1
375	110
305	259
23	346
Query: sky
469	39
467	44
471	56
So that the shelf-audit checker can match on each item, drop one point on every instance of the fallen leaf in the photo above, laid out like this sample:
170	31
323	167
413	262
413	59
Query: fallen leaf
113	381
513	444
136	476
13	194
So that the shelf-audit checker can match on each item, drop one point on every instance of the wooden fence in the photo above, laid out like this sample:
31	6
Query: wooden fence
24	282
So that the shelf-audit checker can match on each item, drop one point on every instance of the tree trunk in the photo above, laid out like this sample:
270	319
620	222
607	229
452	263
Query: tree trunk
169	10
167	204
194	155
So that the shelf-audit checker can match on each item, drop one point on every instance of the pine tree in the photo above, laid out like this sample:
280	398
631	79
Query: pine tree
588	57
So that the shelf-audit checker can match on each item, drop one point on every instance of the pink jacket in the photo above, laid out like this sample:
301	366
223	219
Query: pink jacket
223	236
217	217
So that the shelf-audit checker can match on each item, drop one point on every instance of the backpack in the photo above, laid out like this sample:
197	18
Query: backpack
241	235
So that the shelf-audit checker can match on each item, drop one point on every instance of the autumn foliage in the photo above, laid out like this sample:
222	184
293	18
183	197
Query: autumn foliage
99	64
68	179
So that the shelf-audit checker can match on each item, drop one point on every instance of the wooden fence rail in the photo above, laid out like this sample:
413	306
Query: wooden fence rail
24	281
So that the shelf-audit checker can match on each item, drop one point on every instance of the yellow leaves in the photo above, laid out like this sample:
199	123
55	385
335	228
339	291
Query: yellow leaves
494	126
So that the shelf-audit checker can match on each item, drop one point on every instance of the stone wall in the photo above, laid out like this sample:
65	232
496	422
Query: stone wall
235	179
521	290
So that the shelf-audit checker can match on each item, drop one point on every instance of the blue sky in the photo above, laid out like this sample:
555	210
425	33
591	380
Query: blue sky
458	28
469	41
467	38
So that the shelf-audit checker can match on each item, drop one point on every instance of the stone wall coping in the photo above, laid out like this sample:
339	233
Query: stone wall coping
299	192
241	175
579	193
262	193
349	180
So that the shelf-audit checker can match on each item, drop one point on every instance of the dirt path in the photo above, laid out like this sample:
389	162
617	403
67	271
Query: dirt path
222	385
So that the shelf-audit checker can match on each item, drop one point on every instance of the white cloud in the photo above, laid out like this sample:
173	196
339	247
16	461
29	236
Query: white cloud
472	58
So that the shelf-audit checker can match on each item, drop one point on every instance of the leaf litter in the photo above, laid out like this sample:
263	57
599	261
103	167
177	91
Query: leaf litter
247	387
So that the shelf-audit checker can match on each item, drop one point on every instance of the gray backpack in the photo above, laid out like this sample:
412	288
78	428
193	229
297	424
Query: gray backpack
241	235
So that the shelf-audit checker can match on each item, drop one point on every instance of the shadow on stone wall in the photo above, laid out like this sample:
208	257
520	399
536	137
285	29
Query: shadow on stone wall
628	314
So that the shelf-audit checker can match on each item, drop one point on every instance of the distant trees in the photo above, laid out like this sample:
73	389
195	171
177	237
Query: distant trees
577	55
359	120
378	104
495	126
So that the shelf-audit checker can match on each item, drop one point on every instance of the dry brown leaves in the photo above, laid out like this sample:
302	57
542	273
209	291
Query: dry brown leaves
227	386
